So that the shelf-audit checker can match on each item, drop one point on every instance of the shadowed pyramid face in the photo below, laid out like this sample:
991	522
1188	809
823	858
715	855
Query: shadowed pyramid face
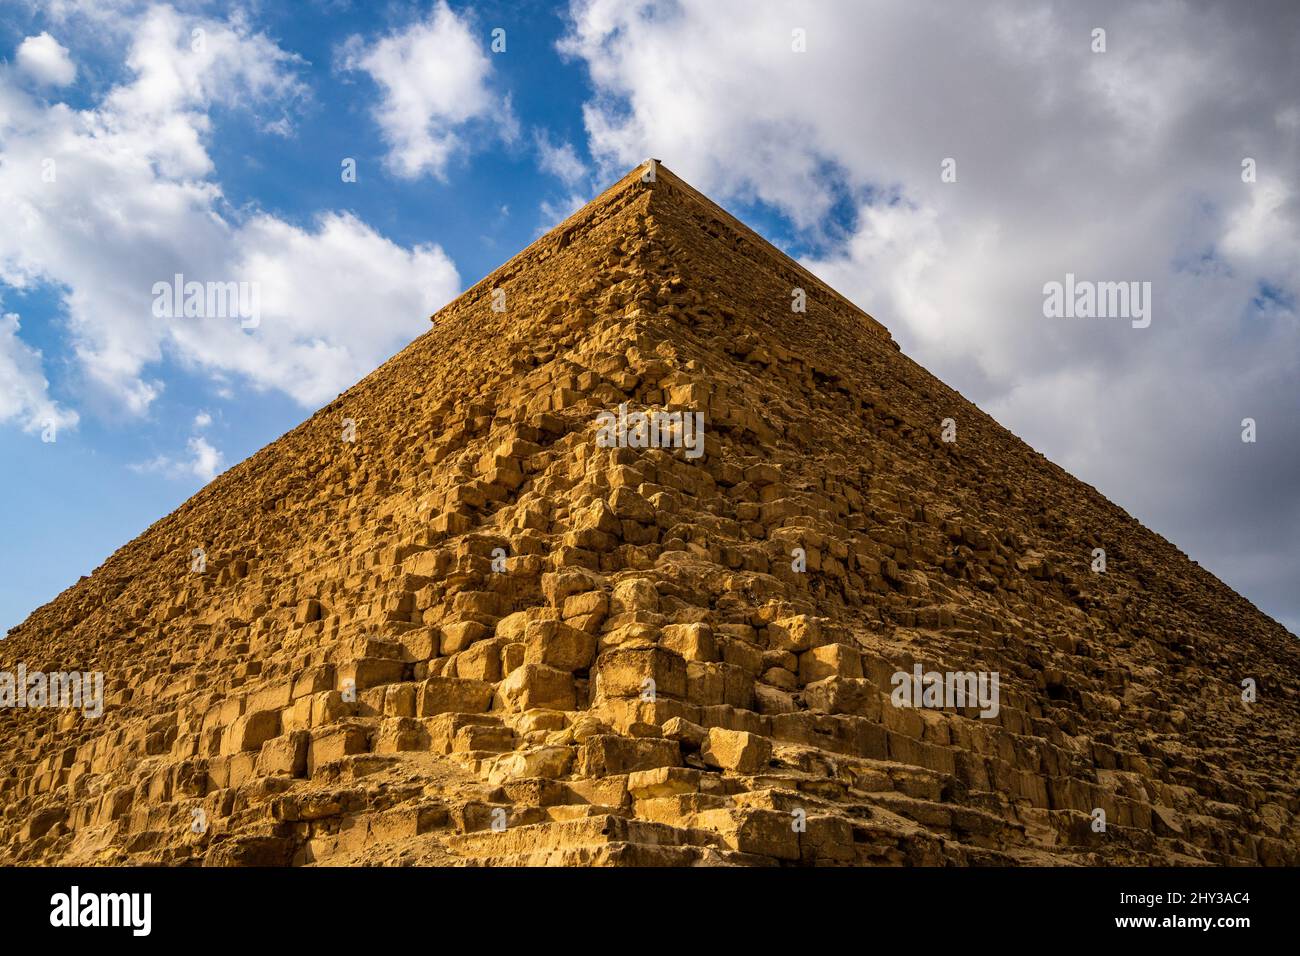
654	549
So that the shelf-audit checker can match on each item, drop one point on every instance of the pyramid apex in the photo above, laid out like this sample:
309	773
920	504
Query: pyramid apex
679	208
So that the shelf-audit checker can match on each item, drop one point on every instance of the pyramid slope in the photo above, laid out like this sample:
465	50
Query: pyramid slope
520	694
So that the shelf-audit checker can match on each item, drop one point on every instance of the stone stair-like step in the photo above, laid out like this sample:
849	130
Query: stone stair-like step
961	821
623	854
595	831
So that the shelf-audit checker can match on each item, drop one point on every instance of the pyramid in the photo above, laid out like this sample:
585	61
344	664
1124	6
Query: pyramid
630	559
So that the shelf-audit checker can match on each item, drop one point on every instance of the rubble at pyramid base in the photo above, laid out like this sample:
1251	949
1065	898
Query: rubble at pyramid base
439	623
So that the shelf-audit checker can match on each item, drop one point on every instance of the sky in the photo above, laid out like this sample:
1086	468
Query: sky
357	165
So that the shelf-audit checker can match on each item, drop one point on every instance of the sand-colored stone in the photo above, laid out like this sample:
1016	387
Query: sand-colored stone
474	635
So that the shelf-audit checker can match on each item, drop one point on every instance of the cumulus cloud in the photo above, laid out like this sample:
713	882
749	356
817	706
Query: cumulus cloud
555	212
335	301
559	159
203	462
105	202
46	61
182	66
434	82
24	391
1122	165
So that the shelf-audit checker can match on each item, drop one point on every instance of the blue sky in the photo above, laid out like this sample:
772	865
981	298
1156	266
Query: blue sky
223	161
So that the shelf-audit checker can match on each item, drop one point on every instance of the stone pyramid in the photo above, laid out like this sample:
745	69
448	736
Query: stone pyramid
462	616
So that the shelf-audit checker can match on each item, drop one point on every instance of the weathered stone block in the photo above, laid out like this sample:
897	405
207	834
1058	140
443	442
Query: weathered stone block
843	695
558	645
624	671
634	594
764	832
663	782
694	642
397	734
544	762
440	695
334	743
796	634
460	635
482	661
536	685
250	731
606	754
286	754
370	672
829	660
314	680
587	604
735	750
558	585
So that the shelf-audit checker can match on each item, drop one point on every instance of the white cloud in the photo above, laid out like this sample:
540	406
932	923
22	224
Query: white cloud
42	58
204	462
132	203
24	390
1116	166
202	420
433	78
183	65
336	300
559	159
554	213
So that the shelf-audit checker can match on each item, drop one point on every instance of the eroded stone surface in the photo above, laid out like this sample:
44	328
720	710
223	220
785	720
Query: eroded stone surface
648	679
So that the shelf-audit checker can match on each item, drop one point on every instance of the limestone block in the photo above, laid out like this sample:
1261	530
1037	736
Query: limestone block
829	660
440	695
286	754
634	594
460	635
605	754
250	731
735	750
329	707
482	661
370	672
536	685
334	743
623	672
397	734
844	695
594	604
663	782
547	762
558	645
796	634
694	642
764	832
